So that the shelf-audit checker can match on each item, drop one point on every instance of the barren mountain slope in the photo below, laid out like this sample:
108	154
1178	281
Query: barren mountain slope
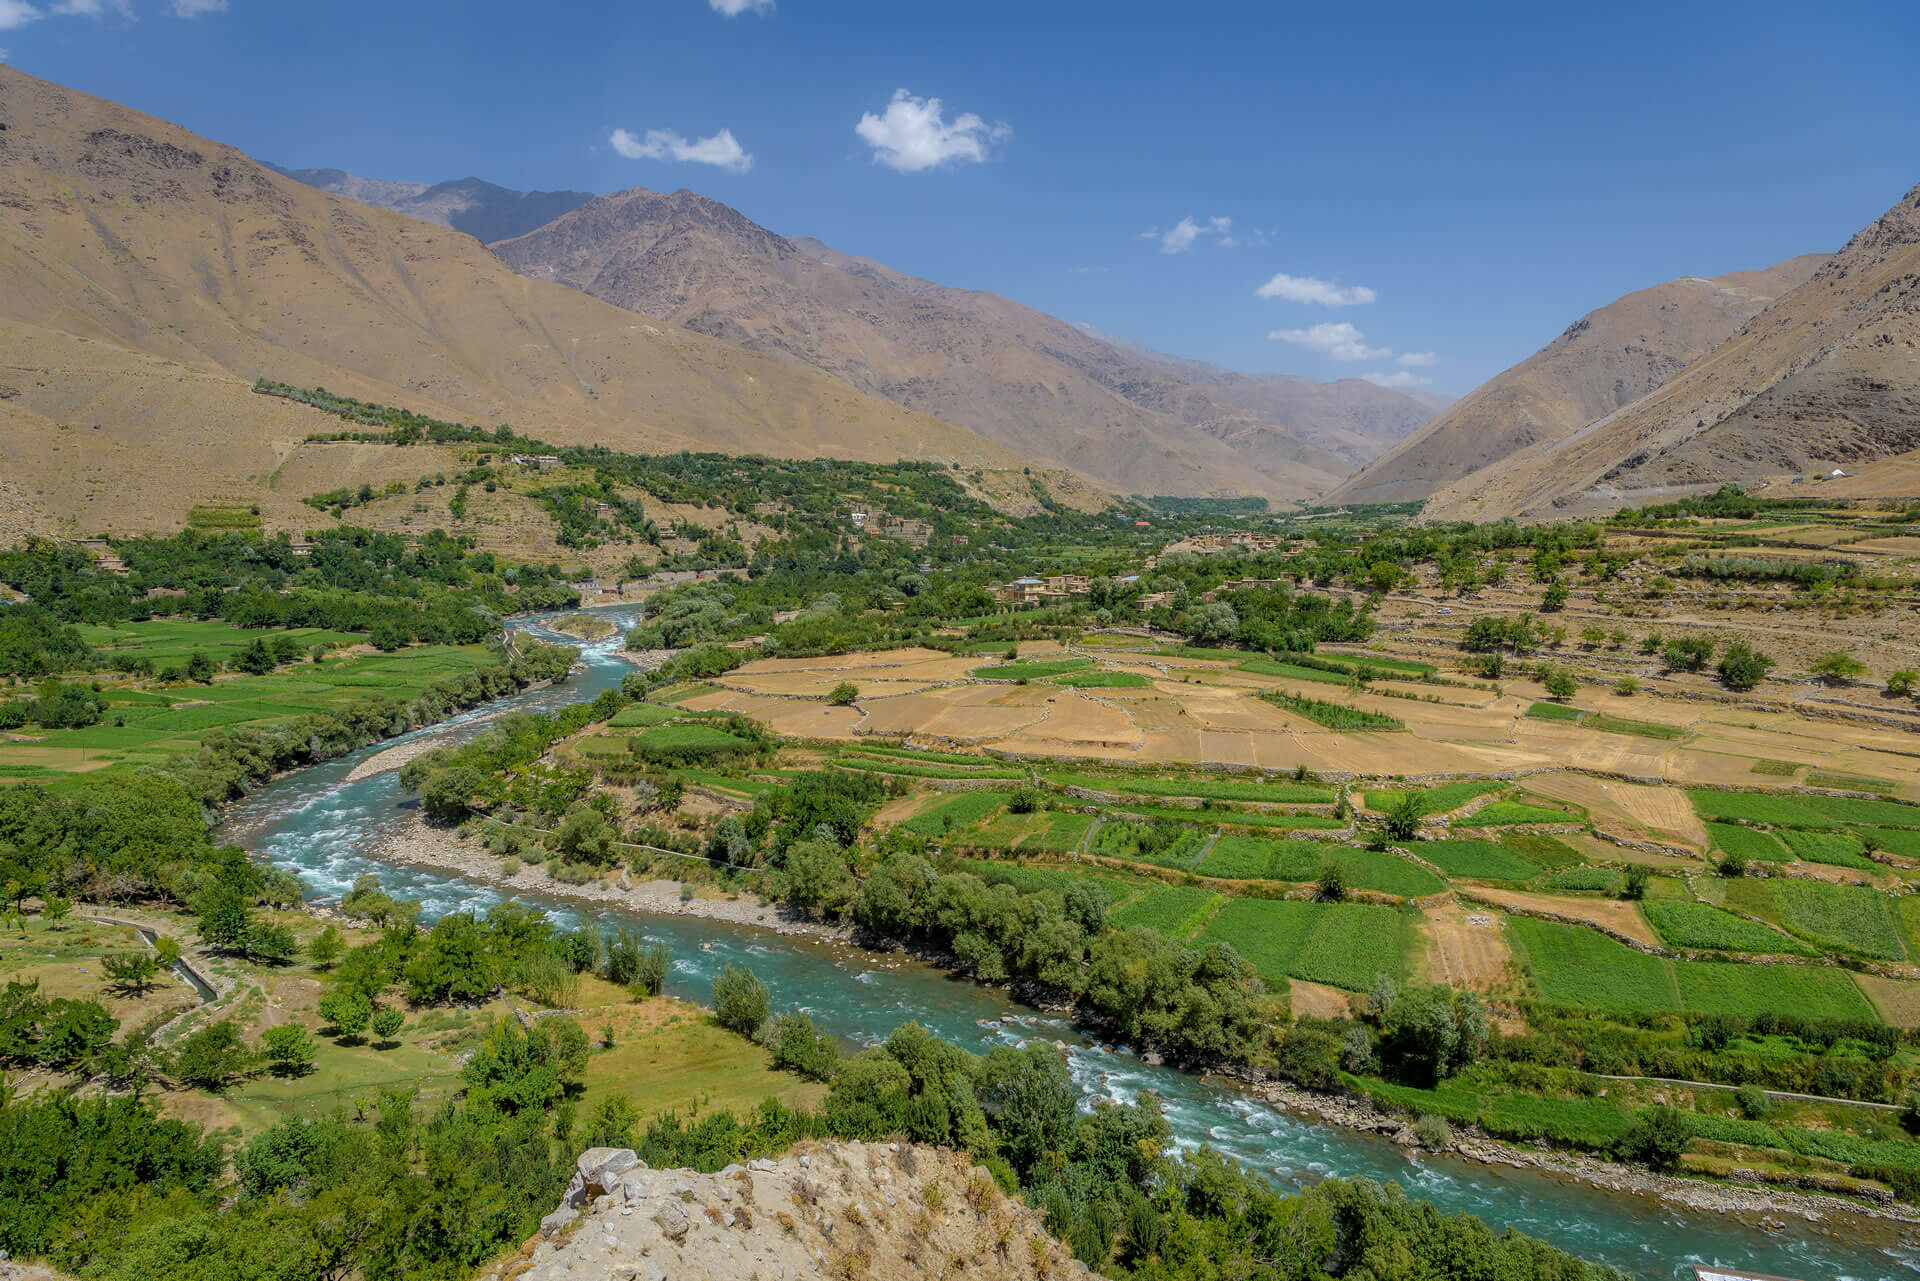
481	209
1604	360
1828	375
147	276
1028	380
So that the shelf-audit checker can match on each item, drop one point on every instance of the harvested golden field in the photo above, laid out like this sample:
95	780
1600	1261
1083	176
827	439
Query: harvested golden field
1611	914
1465	947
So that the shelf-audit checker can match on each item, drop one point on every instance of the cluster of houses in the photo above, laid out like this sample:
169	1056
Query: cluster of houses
916	533
1042	591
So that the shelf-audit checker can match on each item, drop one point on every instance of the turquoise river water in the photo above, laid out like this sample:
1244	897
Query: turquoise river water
318	824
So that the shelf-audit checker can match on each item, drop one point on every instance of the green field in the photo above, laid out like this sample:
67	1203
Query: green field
1334	715
1840	849
1475	860
1173	910
1681	923
1575	966
1748	842
1640	729
1554	712
1435	800
1514	813
641	714
1249	858
1217	789
150	726
1580	880
955	813
1032	670
1865	813
907	769
1845	918
1162	846
1763	807
1341	944
1104	680
1718	987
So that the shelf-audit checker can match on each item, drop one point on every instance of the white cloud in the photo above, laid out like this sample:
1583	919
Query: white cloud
734	8
16	13
721	150
92	8
195	8
1182	236
1399	378
1341	341
1420	359
913	134
1308	289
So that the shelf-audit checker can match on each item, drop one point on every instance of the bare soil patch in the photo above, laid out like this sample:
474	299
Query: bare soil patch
1466	947
1621	918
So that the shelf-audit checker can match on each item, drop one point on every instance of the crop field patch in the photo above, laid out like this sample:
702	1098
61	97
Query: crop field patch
1761	807
1031	670
906	769
1352	944
1776	769
1541	711
1742	991
1443	799
1848	917
1060	833
1547	850
1639	729
1269	934
1163	845
1104	680
1865	813
1575	966
1475	860
1250	858
1579	880
1893	840
1514	813
1292	671
1748	842
636	715
1838	849
1173	910
1685	924
1851	783
955	813
1334	715
1276	793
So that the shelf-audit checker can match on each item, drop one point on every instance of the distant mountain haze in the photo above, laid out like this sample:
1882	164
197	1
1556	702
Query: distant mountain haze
1828	375
1606	359
148	276
481	209
1039	385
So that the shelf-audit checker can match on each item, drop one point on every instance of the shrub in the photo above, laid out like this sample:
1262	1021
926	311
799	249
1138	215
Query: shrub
288	1050
1433	1131
1753	1102
1687	653
843	694
1627	686
740	1000
1837	667
1901	682
799	1047
1331	886
388	1022
1658	1137
1560	683
1635	887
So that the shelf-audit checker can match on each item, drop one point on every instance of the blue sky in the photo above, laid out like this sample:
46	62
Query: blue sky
1402	179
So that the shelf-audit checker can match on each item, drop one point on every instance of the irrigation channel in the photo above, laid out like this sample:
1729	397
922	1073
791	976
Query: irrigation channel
320	825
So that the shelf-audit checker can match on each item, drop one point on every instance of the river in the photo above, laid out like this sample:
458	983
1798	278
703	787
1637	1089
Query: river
321	826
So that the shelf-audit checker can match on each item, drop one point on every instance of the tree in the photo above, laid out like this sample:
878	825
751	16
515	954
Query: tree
200	668
1742	667
387	1022
448	794
131	971
270	942
347	1010
1029	1096
1837	667
1403	818
326	948
740	1000
1627	686
1657	1139
798	1046
1687	653
56	908
73	1032
1559	683
843	694
650	975
586	836
212	1056
1902	682
1430	1032
1555	598
225	916
288	1050
818	877
454	964
1635	886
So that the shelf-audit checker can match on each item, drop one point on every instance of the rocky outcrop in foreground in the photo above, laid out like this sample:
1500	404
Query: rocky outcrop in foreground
891	1210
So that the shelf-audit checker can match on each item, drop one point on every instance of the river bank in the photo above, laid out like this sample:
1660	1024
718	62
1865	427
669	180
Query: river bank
423	844
1758	1205
420	843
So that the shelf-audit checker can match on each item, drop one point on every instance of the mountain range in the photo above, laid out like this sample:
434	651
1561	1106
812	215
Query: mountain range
148	276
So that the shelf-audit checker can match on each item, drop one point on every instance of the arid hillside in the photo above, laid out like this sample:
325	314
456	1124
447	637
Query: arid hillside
1036	384
1606	359
148	276
1829	376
